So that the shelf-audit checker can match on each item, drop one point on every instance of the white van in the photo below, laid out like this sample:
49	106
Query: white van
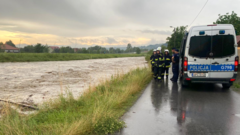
208	54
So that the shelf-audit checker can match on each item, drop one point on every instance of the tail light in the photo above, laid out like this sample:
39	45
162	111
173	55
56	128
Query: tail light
236	63
232	80
185	64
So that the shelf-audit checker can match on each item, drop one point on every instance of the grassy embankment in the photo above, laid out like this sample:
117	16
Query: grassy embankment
236	84
28	57
96	112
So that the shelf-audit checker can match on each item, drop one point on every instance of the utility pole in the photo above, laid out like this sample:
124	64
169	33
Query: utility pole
19	45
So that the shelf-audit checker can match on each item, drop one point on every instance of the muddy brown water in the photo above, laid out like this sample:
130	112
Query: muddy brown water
36	82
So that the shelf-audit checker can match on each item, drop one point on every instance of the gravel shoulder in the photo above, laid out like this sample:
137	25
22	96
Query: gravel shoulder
36	82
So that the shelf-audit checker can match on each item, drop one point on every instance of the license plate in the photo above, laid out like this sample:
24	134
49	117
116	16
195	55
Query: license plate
199	74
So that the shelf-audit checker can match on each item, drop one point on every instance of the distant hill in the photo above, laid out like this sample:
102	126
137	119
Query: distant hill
150	47
122	47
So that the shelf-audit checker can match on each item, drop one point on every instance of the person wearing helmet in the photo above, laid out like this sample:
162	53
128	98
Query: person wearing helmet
151	59
167	62
155	65
159	60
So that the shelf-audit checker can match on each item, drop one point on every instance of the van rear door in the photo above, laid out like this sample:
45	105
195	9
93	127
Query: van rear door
222	53
199	50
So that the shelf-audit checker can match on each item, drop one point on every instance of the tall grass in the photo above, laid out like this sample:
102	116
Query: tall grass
96	112
28	57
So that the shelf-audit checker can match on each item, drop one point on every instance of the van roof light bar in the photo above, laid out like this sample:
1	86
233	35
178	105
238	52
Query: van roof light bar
201	32
222	32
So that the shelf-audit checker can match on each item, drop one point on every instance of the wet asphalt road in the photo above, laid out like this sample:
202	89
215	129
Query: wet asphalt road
168	109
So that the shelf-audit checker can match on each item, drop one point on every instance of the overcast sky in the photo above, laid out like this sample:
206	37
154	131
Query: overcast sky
103	22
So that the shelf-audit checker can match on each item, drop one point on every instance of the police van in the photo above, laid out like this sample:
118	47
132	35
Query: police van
208	54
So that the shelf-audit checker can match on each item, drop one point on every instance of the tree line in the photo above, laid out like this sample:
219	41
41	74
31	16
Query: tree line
39	48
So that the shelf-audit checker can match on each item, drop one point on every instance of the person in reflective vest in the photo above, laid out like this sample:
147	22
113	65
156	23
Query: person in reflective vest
160	63
167	61
151	60
155	62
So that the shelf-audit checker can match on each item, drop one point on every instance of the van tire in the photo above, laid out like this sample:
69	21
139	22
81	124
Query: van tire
184	83
226	86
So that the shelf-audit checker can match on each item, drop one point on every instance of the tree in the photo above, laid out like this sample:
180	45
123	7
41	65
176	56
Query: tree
233	19
111	50
138	50
57	50
10	43
129	48
67	49
163	48
28	49
39	48
1	43
176	38
118	50
84	50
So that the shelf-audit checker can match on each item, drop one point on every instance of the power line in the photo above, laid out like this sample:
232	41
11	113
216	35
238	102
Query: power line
199	13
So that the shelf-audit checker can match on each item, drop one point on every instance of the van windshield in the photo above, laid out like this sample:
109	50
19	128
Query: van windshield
218	45
200	46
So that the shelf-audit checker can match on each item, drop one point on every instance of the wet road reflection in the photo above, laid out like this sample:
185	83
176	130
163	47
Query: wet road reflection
167	109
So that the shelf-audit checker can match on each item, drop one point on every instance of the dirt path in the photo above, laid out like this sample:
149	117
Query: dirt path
36	82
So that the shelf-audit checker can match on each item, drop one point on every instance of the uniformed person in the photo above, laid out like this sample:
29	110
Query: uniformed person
155	65
173	53
175	66
160	63
167	61
151	59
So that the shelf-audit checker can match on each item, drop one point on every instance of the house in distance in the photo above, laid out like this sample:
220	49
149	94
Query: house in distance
9	49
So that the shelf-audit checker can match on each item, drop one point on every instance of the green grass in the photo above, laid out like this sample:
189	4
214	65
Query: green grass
97	111
29	57
236	84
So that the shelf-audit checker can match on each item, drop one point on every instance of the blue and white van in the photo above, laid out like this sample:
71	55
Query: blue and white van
208	54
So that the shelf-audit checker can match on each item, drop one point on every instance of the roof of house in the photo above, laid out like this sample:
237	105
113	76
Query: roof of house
238	38
54	47
8	47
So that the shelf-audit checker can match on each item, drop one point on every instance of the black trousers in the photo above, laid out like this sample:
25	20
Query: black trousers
175	72
165	72
157	73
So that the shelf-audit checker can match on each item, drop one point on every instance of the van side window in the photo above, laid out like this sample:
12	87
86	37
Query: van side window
183	44
200	46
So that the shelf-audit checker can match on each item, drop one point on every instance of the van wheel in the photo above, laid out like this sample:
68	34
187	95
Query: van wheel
226	86
184	83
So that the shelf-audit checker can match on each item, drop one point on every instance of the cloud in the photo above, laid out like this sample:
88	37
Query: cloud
111	40
160	32
103	22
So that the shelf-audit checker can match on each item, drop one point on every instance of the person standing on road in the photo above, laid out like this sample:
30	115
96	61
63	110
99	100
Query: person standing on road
173	53
175	66
155	65
167	61
160	63
151	60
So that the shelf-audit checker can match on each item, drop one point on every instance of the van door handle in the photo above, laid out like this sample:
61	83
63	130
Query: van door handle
215	63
